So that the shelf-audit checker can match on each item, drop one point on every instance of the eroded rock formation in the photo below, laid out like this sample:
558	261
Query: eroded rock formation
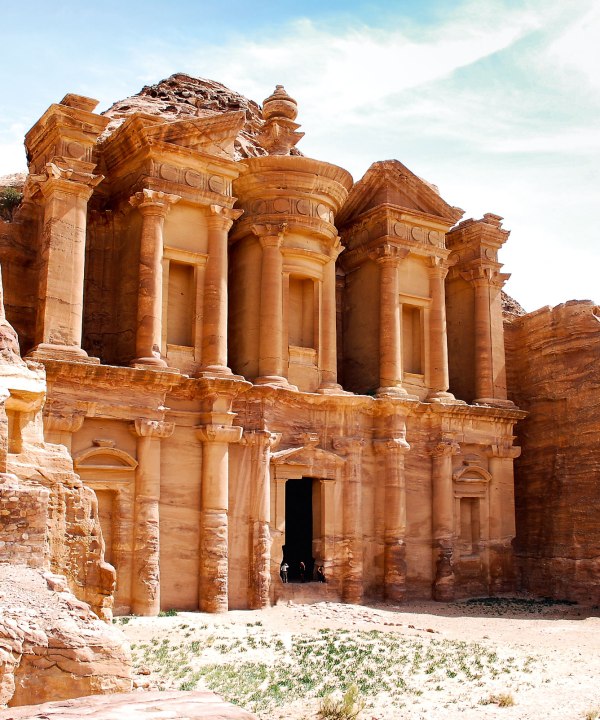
554	374
52	643
52	646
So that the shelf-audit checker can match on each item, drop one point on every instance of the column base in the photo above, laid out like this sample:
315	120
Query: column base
444	398
495	402
152	362
275	380
50	351
394	391
332	388
211	371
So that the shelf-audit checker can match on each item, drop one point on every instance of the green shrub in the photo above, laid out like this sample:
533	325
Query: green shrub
348	707
10	199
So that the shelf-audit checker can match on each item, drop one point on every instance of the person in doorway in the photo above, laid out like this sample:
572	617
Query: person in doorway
321	574
283	571
302	571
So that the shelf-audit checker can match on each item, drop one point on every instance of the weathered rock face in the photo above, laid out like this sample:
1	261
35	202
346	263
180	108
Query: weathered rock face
552	356
52	646
182	97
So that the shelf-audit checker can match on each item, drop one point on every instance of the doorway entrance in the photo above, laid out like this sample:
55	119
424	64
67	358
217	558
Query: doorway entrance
299	522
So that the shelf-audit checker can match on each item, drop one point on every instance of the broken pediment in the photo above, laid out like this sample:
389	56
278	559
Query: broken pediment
390	183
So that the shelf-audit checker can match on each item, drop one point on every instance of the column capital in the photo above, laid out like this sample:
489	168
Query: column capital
222	217
485	275
153	202
71	422
270	234
388	254
264	438
501	450
219	433
66	180
437	267
143	427
445	448
336	249
394	444
348	445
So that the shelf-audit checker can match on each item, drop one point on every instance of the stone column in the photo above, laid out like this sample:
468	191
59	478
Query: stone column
484	378
442	498
145	584
328	335
502	516
214	507
394	558
153	206
388	257
270	360
260	442
214	330
438	341
352	580
59	323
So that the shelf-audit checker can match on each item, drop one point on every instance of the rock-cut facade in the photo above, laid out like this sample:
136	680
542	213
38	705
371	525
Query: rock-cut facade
253	360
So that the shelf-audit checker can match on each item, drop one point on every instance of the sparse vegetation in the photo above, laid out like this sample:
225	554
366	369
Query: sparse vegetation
261	671
10	199
501	699
592	714
168	613
347	707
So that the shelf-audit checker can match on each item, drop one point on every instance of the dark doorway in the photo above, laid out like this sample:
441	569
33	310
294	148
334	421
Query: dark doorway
299	528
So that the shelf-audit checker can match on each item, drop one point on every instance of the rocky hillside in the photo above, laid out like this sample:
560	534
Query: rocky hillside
183	96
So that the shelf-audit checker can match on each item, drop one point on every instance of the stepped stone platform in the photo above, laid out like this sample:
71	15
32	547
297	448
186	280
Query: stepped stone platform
306	593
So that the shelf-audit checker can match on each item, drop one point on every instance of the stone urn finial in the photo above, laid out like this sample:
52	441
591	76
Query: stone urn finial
278	135
280	105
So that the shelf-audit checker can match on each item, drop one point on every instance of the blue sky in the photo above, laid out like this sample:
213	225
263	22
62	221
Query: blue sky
495	101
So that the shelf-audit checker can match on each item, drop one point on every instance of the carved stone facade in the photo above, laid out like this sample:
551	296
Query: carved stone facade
256	359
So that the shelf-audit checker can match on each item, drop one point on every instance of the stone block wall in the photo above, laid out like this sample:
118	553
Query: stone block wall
23	516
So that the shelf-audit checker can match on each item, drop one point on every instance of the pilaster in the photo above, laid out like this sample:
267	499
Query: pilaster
443	518
59	323
215	436
394	560
352	579
145	585
438	340
260	443
328	347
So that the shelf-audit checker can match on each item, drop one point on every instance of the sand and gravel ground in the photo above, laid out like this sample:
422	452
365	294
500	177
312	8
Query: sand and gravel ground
411	662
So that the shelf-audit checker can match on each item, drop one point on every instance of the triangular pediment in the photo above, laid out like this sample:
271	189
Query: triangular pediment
310	460
391	183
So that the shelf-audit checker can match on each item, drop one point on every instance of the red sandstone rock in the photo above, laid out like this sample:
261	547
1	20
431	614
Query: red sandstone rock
51	644
552	357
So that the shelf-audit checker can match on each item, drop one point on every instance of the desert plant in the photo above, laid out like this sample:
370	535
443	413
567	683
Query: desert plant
499	699
592	714
167	613
348	707
10	199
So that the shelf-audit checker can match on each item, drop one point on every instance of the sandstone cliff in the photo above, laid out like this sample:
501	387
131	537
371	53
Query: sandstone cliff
52	645
553	373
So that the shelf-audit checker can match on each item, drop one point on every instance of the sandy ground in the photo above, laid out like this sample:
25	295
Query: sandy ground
548	655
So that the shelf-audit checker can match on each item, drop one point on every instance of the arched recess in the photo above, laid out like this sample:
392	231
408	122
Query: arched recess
325	470
472	511
110	472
